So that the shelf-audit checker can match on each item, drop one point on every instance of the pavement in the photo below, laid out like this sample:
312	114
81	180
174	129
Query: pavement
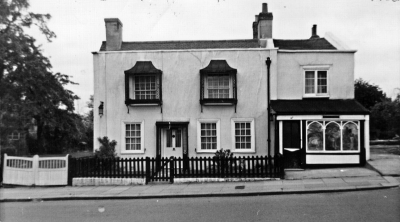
382	171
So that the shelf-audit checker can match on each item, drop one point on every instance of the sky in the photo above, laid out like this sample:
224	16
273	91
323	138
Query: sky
372	27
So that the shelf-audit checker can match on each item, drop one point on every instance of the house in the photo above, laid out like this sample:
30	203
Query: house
191	98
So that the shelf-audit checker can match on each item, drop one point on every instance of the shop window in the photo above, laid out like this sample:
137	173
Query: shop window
333	136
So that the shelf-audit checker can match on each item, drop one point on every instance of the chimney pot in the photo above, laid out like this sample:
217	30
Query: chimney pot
314	32
264	8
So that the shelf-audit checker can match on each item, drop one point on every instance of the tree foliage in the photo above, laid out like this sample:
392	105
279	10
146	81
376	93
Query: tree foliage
30	93
385	119
368	94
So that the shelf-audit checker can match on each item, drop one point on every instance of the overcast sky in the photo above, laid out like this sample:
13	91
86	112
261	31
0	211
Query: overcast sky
371	27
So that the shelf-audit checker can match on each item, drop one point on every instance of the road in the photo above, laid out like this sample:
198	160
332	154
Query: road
375	205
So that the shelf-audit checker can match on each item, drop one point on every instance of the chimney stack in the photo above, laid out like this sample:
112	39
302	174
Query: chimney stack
263	23
314	32
113	34
255	28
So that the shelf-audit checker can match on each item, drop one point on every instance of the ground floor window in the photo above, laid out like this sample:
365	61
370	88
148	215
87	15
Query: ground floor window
133	136
208	135
243	138
333	135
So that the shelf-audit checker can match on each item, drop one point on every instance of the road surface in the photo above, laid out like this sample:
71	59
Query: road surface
375	205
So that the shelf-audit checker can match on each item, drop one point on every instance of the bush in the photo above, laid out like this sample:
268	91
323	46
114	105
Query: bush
223	153
107	148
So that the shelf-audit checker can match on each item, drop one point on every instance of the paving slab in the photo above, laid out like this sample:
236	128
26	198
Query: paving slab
387	166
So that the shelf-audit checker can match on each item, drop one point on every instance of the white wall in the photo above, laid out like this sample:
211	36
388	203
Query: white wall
291	74
181	94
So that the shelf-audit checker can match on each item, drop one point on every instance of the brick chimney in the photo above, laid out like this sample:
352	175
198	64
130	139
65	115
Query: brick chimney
113	34
264	24
314	32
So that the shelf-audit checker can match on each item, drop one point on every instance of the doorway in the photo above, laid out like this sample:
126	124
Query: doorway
291	143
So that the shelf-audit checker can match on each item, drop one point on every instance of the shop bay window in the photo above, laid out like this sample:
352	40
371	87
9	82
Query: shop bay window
333	136
143	84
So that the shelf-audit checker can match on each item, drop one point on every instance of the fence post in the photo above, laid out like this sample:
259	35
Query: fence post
172	169
147	170
281	166
71	164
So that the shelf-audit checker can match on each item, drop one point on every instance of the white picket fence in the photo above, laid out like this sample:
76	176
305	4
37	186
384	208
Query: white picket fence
38	171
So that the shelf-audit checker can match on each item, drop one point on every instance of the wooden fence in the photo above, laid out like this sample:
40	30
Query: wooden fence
166	169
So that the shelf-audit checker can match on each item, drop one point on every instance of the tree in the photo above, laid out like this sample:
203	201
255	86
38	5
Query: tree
385	119
368	94
30	94
88	122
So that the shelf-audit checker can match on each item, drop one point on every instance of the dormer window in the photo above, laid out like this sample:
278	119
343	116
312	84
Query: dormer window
143	84
316	81
218	84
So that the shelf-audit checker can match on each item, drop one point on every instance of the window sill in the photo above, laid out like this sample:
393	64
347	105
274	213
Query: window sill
311	96
244	151
132	152
218	102
143	102
206	151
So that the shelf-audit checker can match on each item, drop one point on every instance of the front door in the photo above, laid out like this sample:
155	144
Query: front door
172	142
291	144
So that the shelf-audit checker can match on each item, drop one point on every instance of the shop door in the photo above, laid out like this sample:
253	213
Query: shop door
291	144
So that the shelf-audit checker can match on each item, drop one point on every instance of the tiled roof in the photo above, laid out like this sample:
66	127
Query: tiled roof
303	44
318	106
176	45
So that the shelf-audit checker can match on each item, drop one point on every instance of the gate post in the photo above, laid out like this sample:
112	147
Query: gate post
35	168
147	170
172	169
71	169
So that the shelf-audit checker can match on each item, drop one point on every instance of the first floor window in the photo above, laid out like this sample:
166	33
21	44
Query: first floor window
333	135
316	81
243	134
218	86
133	137
146	87
208	135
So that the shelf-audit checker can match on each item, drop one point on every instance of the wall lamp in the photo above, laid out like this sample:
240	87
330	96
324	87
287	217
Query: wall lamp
101	109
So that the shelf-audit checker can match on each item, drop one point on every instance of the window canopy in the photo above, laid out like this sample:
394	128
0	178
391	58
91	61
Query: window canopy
143	84
143	67
218	66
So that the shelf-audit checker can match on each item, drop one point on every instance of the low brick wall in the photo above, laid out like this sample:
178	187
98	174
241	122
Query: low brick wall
108	181
211	180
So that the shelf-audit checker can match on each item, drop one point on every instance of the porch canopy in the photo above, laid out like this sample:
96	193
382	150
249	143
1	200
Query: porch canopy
318	107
